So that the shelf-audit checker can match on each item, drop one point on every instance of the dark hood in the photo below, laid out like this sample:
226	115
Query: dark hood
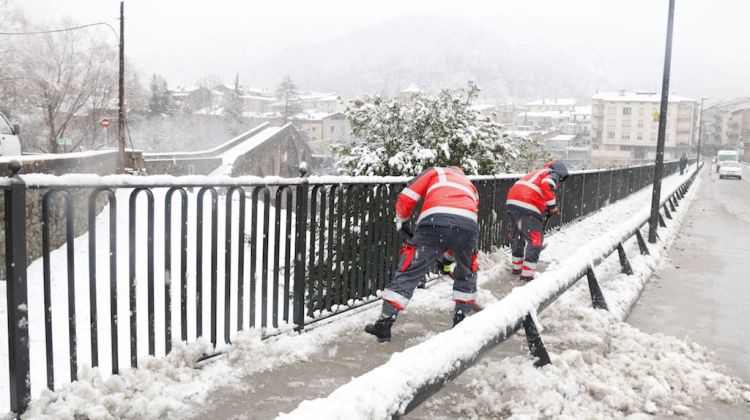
558	168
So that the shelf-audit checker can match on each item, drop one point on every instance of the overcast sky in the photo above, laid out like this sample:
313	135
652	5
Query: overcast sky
185	40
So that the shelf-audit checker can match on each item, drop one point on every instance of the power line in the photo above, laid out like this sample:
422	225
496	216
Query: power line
51	31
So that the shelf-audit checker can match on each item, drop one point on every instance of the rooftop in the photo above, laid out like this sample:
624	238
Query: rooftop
623	96
555	101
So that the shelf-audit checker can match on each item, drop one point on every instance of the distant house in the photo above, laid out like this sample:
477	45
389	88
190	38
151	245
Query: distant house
552	104
726	125
196	97
323	102
406	94
323	126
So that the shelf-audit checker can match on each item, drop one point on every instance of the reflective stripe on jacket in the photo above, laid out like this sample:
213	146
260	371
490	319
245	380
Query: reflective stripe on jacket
534	192
444	190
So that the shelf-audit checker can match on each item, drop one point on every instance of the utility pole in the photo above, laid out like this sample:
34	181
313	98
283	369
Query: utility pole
700	129
121	110
659	167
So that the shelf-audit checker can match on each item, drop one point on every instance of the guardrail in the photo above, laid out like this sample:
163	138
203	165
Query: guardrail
410	378
178	258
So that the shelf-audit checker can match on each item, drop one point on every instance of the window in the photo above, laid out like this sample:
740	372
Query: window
626	110
331	129
639	137
611	110
625	136
610	134
640	123
610	147
640	110
4	126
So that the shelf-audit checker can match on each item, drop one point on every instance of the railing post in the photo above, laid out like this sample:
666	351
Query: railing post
536	346
641	243
672	204
624	263
16	292
597	297
666	212
662	223
300	252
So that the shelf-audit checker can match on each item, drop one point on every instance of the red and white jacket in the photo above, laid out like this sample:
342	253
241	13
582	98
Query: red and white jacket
534	192
444	190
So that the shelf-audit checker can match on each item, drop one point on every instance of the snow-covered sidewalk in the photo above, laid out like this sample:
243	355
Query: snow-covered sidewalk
258	379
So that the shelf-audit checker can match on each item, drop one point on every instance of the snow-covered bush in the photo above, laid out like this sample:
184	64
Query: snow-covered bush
405	137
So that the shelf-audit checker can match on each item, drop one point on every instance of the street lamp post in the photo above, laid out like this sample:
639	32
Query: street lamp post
659	166
700	130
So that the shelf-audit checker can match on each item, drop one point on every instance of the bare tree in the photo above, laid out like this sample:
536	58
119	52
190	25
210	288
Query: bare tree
289	101
65	73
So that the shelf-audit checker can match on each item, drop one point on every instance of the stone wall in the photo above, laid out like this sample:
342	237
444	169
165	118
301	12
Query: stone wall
99	163
178	167
280	155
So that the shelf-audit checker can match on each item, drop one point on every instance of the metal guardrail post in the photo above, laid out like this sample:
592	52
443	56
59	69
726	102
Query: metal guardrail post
662	223
624	260
16	292
666	211
597	297
641	243
536	346
300	252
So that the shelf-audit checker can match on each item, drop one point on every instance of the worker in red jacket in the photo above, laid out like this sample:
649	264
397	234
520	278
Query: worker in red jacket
529	201
447	221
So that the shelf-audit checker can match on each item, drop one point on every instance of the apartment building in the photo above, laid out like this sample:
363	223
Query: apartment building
726	125
624	126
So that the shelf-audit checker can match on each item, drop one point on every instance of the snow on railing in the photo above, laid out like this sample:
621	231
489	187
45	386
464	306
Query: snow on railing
410	377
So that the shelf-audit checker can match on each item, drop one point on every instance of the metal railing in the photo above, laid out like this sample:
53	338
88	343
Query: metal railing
178	258
411	385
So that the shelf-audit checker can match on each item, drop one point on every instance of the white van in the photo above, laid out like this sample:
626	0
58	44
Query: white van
9	143
726	156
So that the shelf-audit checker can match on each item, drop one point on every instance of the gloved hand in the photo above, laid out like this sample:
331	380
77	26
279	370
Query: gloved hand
399	223
554	211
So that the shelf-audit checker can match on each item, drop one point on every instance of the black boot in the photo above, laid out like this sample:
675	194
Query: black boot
458	316
381	328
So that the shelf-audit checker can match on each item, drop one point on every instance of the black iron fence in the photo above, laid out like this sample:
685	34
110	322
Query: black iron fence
165	259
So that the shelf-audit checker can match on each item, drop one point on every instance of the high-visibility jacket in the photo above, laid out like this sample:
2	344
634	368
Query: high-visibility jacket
444	190
534	192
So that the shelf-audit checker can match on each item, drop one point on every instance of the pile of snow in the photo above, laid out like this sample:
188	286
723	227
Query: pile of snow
630	373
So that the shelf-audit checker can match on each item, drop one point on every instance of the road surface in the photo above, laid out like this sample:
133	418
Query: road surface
703	292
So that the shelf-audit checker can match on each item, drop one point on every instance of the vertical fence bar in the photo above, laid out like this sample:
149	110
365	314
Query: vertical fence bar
16	293
300	247
228	217
168	277
92	210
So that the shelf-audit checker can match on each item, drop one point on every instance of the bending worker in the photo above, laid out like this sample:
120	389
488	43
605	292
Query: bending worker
530	200
447	221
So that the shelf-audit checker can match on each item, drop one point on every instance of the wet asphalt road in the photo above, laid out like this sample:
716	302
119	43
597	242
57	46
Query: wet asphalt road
703	292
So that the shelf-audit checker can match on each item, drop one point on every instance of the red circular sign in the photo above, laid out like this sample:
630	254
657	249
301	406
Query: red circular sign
105	122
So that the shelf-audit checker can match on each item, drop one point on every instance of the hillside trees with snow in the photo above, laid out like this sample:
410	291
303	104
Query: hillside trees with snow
406	137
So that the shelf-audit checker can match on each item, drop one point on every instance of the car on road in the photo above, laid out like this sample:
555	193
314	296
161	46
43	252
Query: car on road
730	169
10	145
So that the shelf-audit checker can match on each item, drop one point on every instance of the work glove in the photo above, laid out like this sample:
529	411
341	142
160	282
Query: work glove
399	223
554	211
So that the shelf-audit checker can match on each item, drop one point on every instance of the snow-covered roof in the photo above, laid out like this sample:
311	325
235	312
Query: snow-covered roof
314	115
562	137
583	110
319	96
623	96
259	98
555	101
482	107
541	114
412	88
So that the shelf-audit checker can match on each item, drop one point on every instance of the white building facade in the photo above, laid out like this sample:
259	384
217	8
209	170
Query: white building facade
624	127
